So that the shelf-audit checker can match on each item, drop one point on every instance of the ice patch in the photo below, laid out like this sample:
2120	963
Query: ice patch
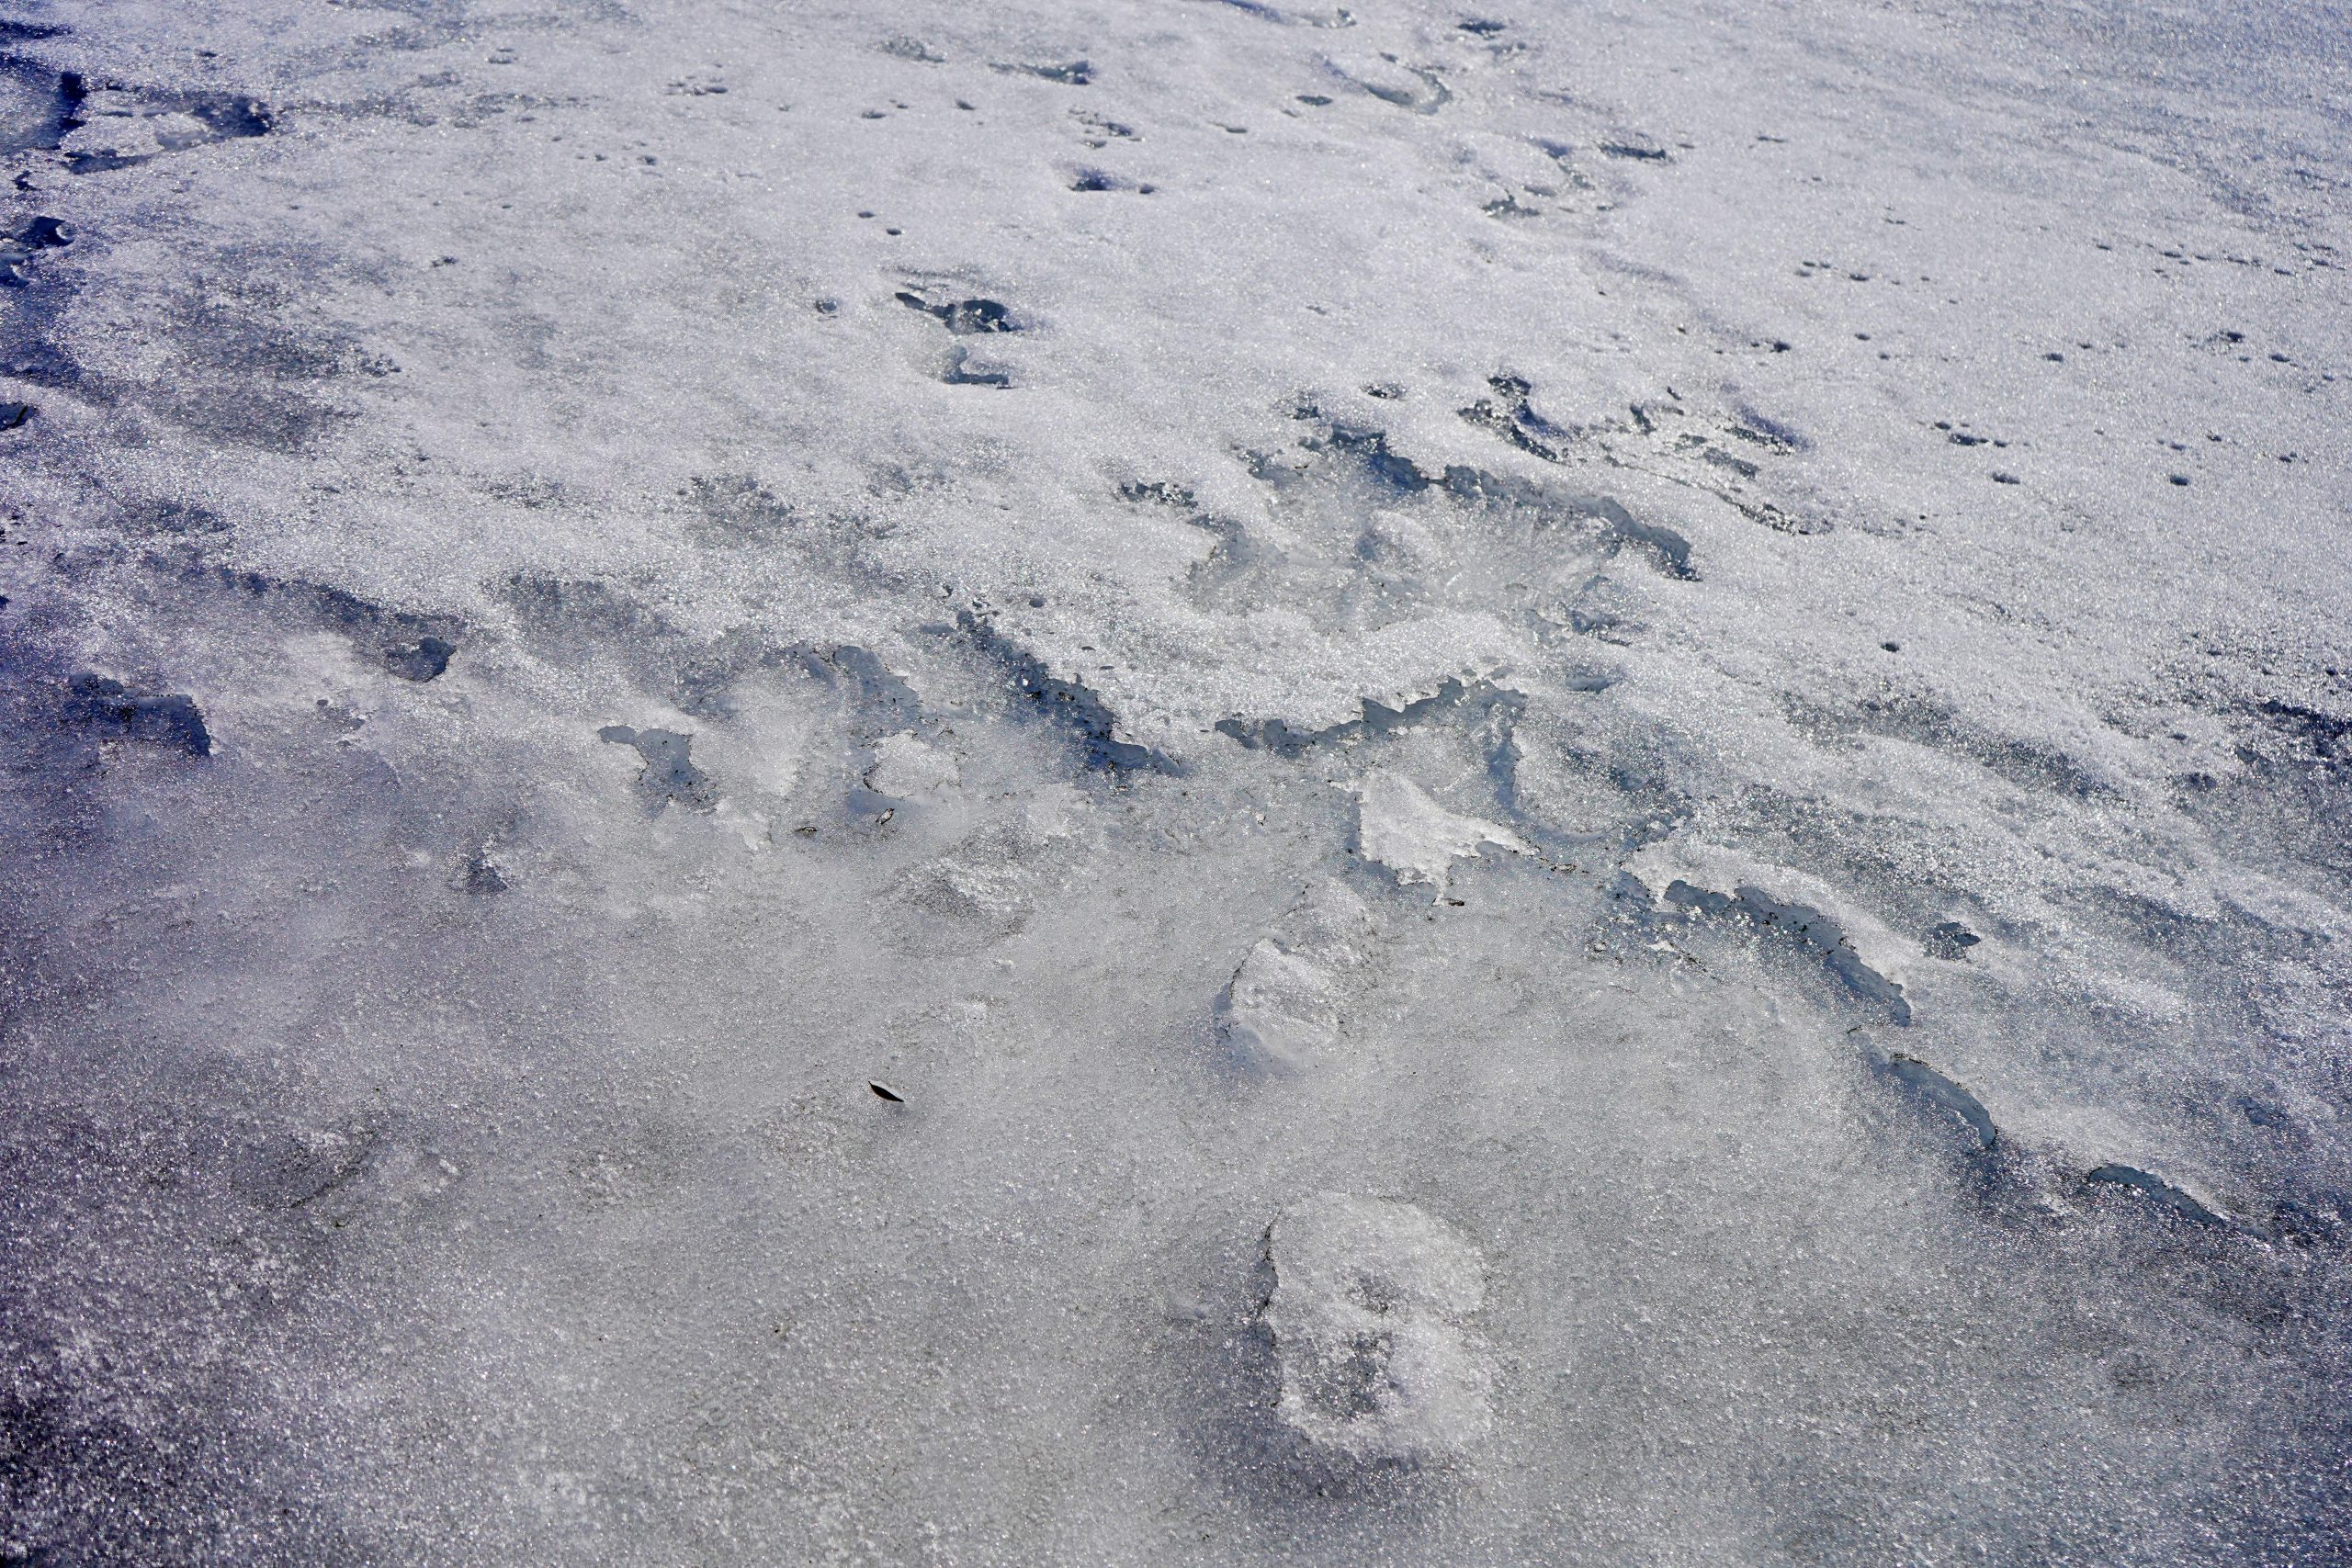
1278	1013
907	769
1398	825
111	711
669	775
1282	1011
1368	1315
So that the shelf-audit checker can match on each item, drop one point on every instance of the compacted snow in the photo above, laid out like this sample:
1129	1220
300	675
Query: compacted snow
1208	782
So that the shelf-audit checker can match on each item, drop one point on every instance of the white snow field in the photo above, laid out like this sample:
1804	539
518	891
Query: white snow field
1176	781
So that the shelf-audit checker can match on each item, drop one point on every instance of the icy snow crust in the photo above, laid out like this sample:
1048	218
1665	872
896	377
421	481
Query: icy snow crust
1582	770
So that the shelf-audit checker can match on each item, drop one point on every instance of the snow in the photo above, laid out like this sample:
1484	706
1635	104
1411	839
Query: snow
1582	770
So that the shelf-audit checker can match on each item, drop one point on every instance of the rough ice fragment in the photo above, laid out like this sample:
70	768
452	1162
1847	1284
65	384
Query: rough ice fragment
1399	826
1278	1014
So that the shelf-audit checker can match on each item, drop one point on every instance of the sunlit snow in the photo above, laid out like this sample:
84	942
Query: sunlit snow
1176	781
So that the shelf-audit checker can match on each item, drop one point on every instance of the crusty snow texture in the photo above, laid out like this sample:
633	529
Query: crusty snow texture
1197	783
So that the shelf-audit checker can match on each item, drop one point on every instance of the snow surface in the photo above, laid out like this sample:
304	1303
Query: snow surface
1580	770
